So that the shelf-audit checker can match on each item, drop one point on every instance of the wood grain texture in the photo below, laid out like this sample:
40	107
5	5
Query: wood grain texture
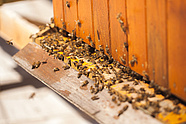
157	41
118	37
58	12
85	16
101	22
66	84
70	15
137	34
176	47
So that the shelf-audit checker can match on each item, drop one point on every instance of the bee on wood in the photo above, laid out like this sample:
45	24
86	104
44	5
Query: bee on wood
113	98
67	4
101	48
31	36
37	64
66	67
85	83
123	110
95	98
32	95
101	87
107	49
91	89
126	45
9	42
123	61
79	74
33	65
96	90
56	69
51	20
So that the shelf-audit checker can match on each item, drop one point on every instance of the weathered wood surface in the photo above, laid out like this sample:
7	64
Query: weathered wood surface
176	47
157	41
66	84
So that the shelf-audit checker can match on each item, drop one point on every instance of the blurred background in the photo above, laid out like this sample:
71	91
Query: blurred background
24	99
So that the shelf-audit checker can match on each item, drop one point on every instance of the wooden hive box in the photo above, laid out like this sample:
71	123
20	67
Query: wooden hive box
155	34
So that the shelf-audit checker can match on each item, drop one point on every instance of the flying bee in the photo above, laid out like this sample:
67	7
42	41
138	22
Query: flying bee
85	83
9	42
95	98
123	110
56	69
66	67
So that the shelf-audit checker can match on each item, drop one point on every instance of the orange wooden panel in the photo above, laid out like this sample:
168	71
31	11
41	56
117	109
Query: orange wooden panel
157	41
85	16
101	22
177	46
58	12
137	34
70	15
118	37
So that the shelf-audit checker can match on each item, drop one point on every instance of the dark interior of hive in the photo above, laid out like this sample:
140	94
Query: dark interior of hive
132	50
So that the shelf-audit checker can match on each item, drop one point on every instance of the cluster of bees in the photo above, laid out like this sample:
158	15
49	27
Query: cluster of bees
101	68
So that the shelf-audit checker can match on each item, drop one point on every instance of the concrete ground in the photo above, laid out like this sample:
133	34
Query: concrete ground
25	100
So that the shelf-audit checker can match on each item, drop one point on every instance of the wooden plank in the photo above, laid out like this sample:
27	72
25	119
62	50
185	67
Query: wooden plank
86	20
66	84
137	34
70	15
176	47
118	37
101	23
157	41
58	12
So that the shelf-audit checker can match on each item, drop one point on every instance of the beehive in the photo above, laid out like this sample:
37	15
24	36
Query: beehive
154	34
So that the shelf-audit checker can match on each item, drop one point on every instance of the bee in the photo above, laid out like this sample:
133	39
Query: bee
91	89
67	4
66	67
101	48
175	102
125	87
126	45
96	90
33	65
31	36
51	20
95	98
101	87
9	42
123	61
32	95
177	109
37	64
113	98
123	110
79	74
85	83
56	69
107	49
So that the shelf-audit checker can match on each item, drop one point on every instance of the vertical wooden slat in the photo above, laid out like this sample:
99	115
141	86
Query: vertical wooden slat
157	41
137	34
177	46
86	19
70	15
118	37
101	22
58	12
